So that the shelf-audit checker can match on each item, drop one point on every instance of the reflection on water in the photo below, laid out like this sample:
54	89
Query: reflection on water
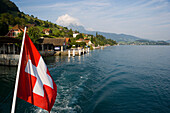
7	79
116	79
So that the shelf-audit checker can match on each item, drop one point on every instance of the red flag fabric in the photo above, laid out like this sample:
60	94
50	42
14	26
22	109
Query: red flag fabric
36	85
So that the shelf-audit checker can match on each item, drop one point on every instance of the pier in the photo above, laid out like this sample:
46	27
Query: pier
78	52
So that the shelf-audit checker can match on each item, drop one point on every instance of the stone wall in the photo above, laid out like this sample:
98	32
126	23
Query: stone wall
9	59
47	53
13	59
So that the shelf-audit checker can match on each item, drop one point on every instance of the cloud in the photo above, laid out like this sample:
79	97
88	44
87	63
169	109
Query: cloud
143	18
66	20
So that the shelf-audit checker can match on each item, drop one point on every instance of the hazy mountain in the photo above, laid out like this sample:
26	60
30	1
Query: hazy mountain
168	41
113	36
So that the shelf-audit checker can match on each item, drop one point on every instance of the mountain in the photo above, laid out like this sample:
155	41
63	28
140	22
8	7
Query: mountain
168	41
113	36
8	6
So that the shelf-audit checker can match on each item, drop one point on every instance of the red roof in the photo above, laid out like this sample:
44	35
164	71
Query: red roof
68	40
80	40
46	30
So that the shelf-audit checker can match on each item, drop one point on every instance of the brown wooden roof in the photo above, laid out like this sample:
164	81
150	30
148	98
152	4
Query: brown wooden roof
54	41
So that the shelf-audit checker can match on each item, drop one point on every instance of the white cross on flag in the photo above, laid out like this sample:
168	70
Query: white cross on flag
36	85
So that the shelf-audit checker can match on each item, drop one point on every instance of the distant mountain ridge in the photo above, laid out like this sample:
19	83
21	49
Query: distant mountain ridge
113	36
168	41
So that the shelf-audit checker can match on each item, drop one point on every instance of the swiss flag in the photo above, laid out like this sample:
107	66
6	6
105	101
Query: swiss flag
36	85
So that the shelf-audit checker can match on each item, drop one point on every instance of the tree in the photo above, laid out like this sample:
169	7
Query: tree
62	34
31	21
92	39
70	33
5	18
46	24
37	22
34	34
32	16
76	31
81	44
79	36
3	28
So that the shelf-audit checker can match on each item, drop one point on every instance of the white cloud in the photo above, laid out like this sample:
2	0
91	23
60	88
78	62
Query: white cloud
66	20
143	18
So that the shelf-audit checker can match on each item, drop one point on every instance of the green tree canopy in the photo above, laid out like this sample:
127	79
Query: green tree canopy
3	28
79	36
34	33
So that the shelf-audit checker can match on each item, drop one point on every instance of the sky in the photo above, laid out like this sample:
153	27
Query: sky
148	19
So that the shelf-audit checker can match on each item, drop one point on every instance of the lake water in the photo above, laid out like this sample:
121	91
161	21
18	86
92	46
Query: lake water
118	79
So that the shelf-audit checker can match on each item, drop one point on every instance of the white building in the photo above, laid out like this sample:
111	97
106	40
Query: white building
75	34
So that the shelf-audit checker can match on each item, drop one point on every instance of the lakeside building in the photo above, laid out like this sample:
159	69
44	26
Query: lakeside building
17	29
75	34
56	44
8	45
80	40
47	31
88	42
9	52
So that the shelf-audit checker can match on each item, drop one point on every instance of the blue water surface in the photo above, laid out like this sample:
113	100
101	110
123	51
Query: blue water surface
118	79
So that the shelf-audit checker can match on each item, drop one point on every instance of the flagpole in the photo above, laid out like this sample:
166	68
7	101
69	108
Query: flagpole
17	77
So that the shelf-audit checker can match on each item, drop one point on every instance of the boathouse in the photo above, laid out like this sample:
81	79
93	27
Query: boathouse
56	44
9	50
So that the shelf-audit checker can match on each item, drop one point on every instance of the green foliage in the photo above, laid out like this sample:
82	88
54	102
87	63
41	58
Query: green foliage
79	36
34	34
20	36
70	33
3	28
47	36
81	44
76	31
73	41
144	42
7	6
91	47
101	40
10	16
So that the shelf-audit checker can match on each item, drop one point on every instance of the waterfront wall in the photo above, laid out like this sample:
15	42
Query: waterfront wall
9	59
47	53
12	59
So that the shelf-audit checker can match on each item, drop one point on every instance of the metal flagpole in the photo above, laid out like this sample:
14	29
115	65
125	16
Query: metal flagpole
17	77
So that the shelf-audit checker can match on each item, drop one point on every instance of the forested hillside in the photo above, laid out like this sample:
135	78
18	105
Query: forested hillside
11	16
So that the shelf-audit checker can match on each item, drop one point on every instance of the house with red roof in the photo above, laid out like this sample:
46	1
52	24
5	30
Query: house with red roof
47	31
15	31
88	42
80	40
